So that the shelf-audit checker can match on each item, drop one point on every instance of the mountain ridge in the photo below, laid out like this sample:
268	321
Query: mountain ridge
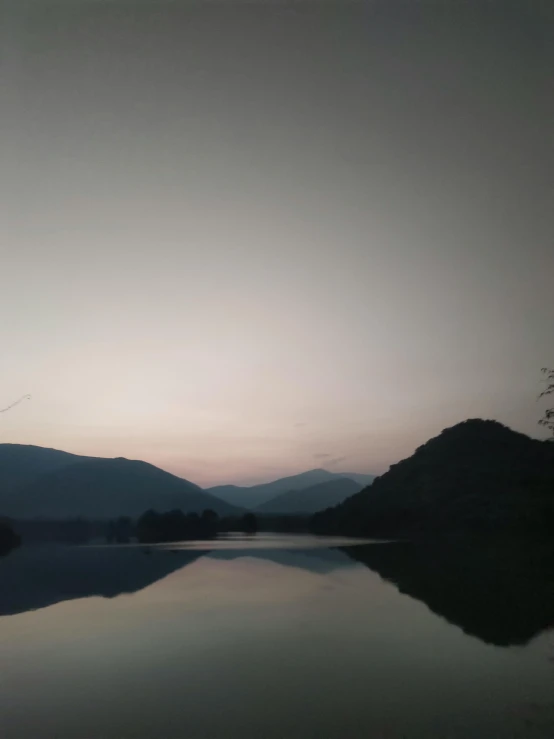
61	485
478	473
312	499
253	496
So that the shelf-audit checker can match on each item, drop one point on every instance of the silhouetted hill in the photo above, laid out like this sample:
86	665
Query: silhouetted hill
107	488
257	495
477	474
20	464
312	499
499	590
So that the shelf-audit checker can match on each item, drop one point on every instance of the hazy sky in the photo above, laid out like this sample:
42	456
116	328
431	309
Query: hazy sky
244	240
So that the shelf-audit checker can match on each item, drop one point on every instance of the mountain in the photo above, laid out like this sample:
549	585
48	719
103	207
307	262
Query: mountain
106	488
362	479
477	474
256	495
312	499
20	464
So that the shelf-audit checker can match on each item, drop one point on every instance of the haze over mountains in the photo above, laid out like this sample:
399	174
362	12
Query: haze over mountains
256	495
312	499
48	483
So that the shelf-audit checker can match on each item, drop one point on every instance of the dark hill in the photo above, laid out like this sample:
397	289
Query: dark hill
477	474
312	499
106	488
20	464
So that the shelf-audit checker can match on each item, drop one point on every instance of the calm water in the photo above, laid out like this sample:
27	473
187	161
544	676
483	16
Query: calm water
276	637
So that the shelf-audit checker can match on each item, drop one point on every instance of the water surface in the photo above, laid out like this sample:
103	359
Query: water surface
276	637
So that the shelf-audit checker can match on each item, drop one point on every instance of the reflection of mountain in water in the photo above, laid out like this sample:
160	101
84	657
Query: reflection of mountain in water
36	577
317	559
502	593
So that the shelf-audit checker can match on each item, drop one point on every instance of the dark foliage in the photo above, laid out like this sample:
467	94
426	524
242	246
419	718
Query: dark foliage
284	524
475	475
176	526
249	523
120	531
8	538
68	531
548	419
269	522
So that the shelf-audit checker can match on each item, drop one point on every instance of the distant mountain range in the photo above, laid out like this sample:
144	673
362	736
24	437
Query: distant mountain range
36	482
477	475
256	496
312	499
47	483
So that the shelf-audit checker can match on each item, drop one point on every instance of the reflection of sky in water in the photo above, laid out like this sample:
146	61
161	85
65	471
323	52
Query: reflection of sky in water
263	644
261	541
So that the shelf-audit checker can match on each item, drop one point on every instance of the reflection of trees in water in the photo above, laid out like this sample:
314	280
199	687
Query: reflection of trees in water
499	591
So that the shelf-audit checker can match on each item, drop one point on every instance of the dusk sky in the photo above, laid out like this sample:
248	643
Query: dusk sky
243	240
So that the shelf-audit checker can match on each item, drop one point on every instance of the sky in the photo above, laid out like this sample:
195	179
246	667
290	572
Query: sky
240	240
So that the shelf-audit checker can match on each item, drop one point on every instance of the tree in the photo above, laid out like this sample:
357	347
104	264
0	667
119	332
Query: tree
8	538
176	526
210	517
209	524
249	523
120	530
548	418
148	526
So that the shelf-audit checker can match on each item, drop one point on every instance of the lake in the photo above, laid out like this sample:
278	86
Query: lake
277	637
